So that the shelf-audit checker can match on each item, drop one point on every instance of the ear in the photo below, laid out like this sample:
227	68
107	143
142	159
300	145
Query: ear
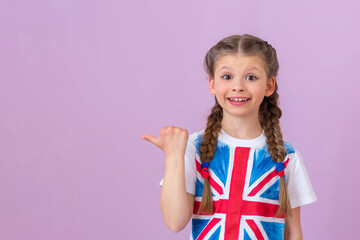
211	86
270	87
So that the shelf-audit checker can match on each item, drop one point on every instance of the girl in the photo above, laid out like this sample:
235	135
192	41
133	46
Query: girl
238	178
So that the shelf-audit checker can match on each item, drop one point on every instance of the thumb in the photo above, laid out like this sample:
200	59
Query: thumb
151	139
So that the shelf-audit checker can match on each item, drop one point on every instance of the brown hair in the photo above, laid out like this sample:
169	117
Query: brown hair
269	111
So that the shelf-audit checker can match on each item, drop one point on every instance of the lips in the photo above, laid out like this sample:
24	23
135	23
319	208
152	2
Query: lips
238	99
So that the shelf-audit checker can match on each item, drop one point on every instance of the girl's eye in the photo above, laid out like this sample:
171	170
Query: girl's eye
251	77
226	77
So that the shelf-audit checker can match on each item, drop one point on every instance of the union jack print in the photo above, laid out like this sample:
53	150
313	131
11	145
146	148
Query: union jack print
245	190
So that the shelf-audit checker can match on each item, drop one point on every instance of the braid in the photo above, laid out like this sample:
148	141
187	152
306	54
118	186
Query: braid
207	150
269	116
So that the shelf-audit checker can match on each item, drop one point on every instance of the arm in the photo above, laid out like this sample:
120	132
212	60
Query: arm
293	226
176	204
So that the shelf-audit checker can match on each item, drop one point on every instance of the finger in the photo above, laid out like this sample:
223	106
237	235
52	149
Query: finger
151	139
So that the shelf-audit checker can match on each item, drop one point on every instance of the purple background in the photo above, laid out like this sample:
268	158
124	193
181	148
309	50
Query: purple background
81	81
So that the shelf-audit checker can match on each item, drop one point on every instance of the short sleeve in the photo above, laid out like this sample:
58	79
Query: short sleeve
298	182
190	165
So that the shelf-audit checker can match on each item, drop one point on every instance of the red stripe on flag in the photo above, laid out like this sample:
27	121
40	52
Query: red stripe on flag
220	206
215	185
237	184
262	183
208	227
255	229
265	181
286	162
198	166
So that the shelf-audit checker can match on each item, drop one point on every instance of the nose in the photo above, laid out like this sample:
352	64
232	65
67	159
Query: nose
238	85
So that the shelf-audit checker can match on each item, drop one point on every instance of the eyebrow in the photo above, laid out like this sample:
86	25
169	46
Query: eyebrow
252	68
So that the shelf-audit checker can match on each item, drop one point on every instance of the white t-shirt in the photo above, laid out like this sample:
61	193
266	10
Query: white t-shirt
245	188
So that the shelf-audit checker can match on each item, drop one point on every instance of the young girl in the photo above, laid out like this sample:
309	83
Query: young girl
238	178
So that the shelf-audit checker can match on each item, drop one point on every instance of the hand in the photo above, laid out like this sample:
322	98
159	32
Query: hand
172	140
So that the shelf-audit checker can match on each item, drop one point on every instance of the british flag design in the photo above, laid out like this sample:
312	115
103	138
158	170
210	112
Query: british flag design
245	190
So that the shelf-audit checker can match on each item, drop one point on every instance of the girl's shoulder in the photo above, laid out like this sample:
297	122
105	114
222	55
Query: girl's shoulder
195	138
289	147
292	153
196	134
293	156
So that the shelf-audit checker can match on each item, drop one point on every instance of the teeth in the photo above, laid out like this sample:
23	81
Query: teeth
238	99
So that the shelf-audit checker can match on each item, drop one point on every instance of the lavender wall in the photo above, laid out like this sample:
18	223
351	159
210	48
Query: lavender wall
81	81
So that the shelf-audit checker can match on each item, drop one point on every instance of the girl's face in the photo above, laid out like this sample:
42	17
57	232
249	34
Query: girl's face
240	84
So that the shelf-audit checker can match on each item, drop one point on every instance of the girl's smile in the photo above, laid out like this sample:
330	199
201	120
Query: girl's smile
238	101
